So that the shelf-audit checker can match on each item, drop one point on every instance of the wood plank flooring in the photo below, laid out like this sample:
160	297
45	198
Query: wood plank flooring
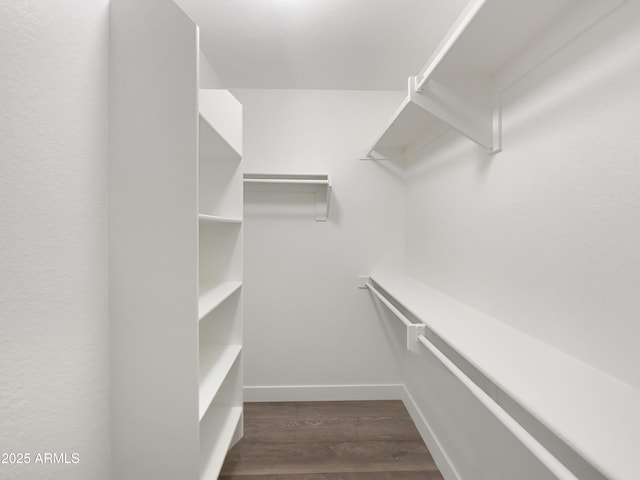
361	440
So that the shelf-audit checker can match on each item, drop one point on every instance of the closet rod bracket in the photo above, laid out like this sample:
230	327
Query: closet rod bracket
414	331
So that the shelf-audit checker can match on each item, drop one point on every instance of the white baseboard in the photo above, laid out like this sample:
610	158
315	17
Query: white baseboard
309	393
431	441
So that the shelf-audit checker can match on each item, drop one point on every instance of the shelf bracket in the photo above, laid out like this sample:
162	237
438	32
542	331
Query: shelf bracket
363	280
497	124
323	198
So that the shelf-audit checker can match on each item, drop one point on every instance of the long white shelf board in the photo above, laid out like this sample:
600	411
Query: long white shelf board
213	296
596	414
220	124
218	219
215	364
224	425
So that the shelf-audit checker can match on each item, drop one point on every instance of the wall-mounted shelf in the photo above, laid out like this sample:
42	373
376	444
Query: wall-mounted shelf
306	183
215	365
411	127
595	414
218	219
487	49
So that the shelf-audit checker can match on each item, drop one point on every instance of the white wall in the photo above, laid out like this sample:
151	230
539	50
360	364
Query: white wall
53	239
305	321
544	236
208	76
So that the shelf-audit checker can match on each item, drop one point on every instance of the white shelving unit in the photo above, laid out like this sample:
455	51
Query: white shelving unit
556	389
176	252
220	277
318	184
485	52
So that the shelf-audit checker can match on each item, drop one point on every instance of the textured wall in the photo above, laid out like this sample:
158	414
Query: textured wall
53	250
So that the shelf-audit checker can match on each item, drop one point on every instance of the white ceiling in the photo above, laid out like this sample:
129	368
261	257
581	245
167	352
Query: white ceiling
320	44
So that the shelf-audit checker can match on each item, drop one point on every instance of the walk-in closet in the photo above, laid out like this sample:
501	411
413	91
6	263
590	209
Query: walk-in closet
320	240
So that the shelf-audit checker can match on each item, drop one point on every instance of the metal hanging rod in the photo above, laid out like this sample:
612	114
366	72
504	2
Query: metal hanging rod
286	180
415	335
389	305
536	448
303	178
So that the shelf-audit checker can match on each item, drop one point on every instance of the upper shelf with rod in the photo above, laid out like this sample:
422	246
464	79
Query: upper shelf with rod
490	46
317	184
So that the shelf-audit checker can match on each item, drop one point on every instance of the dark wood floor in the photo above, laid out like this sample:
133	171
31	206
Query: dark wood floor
372	440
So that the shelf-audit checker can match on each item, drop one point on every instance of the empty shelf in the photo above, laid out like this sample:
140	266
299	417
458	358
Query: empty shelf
491	45
215	365
213	296
597	415
218	219
410	128
221	424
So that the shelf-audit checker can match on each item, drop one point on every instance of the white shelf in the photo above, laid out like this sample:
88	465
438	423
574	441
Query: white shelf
224	422
215	364
490	46
597	415
218	219
220	125
318	184
213	296
410	128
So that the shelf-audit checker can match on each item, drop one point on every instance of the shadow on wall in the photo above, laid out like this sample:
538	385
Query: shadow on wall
448	153
562	98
